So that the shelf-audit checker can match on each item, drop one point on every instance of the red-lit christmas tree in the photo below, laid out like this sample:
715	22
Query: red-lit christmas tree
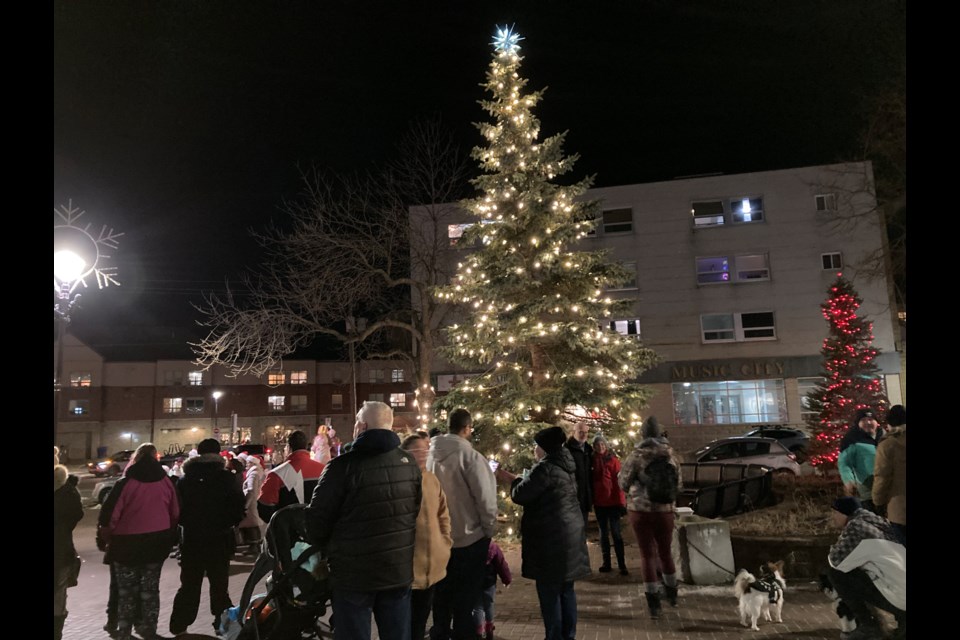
851	377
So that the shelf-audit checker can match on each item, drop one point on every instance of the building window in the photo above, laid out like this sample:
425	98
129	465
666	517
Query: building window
398	400
730	402
336	401
336	376
79	407
831	261
276	403
193	405
806	386
747	268
195	378
375	397
396	375
172	405
826	202
753	267
275	378
713	270
737	327
617	220
81	379
626	327
631	267
298	377
377	376
744	210
298	403
171	378
707	214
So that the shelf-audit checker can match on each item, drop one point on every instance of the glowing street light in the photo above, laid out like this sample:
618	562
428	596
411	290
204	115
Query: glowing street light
78	254
216	408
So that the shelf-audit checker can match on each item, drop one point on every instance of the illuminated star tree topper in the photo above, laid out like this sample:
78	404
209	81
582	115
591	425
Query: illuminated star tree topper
507	39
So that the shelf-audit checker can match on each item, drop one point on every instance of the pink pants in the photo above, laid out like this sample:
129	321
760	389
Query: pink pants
654	531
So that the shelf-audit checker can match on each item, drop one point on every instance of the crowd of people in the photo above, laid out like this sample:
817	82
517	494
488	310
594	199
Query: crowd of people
407	527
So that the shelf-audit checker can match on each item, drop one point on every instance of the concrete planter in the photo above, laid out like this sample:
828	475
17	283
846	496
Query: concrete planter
805	557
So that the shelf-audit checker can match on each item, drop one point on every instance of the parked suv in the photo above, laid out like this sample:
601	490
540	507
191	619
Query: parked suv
794	440
749	450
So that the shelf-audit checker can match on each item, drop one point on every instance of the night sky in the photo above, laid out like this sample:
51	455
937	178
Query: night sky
182	124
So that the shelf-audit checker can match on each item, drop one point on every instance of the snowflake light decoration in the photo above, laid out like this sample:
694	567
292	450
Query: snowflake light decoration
506	39
87	251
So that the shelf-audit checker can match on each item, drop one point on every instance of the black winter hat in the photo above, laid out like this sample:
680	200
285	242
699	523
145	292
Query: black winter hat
866	412
897	416
208	446
847	505
550	439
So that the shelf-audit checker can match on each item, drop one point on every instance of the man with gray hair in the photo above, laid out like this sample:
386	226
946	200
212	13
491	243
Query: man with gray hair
364	516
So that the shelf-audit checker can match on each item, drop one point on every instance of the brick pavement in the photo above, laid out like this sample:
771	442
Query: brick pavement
610	607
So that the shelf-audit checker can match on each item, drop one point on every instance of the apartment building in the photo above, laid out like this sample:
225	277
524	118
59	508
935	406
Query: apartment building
119	404
730	274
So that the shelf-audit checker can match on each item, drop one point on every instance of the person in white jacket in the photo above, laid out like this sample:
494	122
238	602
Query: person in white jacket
471	491
868	565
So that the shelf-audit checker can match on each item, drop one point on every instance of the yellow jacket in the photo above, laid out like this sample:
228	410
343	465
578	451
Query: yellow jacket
432	549
890	476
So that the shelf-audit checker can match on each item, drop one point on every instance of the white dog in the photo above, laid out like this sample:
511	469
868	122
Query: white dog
760	596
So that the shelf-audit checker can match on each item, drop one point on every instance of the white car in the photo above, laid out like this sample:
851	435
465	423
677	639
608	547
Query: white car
101	490
768	452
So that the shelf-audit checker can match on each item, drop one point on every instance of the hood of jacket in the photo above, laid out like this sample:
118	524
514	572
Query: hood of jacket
60	475
146	469
563	459
376	441
856	435
203	465
650	448
448	446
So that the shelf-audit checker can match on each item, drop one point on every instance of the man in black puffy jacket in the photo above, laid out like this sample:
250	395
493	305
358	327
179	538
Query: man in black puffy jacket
364	516
211	505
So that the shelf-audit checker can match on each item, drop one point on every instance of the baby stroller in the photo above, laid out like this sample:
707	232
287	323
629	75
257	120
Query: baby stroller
298	586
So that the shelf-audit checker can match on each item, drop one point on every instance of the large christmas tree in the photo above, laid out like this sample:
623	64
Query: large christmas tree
539	319
851	378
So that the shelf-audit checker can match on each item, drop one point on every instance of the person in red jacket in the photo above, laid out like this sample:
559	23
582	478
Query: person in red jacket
609	503
291	482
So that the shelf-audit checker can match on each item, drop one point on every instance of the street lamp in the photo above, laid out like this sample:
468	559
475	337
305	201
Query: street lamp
78	254
216	408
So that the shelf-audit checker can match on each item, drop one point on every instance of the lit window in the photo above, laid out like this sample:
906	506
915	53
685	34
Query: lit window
744	210
195	378
730	402
276	403
298	377
172	405
193	405
746	268
737	327
831	261
631	268
375	397
79	379
826	202
298	403
806	386
336	401
79	407
626	327
707	214
277	377
398	399
396	375
377	376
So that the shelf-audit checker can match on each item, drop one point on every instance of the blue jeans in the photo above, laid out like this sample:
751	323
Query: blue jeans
483	613
558	607
390	608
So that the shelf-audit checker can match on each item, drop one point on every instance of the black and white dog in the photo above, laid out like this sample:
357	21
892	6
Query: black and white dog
847	620
760	597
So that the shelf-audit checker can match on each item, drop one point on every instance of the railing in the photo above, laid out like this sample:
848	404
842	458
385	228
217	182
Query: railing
716	490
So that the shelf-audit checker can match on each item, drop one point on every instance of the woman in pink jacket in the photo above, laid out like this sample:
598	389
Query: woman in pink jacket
138	527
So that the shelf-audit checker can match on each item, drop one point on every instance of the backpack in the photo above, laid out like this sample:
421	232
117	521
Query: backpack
662	480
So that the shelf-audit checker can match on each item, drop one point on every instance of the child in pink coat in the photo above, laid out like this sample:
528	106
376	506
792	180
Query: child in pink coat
496	566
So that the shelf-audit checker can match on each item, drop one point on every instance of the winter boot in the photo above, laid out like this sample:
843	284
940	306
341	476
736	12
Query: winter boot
671	593
58	627
605	567
653	601
621	562
488	631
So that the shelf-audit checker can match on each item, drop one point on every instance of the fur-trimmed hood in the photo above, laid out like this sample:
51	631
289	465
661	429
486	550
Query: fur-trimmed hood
204	464
60	475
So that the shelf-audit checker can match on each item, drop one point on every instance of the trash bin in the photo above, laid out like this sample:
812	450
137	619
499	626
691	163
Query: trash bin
701	549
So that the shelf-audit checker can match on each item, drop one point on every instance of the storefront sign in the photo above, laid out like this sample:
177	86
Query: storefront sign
727	370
